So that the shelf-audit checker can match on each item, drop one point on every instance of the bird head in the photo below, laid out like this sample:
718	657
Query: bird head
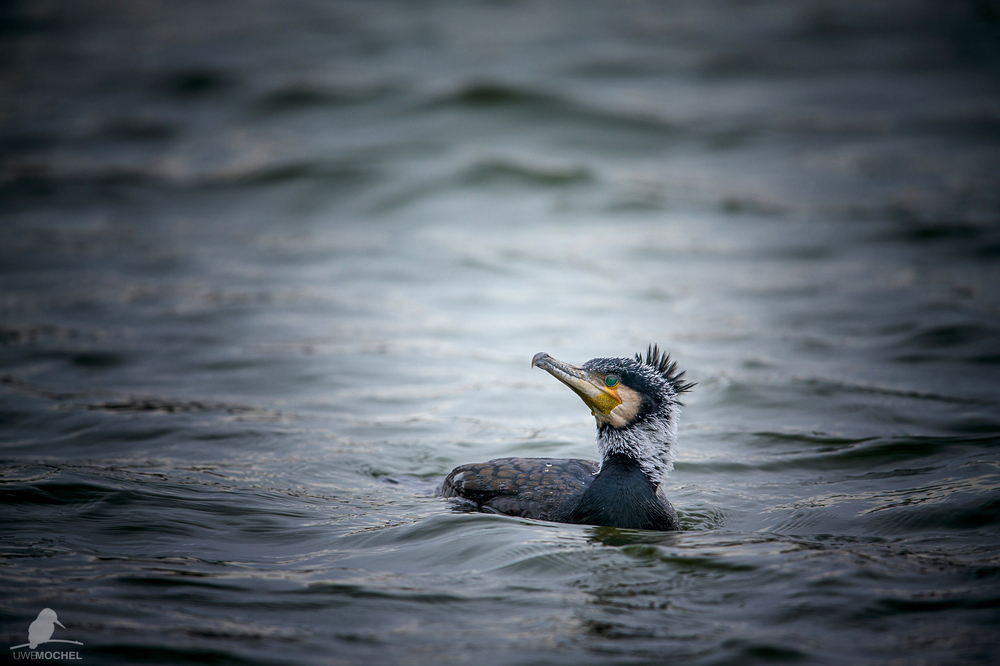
635	401
621	391
49	615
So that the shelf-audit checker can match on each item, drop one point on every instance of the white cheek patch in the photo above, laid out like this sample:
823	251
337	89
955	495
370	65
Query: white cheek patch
631	402
624	413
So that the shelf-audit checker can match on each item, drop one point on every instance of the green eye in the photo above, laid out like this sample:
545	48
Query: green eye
611	381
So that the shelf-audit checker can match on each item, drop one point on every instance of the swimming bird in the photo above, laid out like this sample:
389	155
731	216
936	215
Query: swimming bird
40	631
636	403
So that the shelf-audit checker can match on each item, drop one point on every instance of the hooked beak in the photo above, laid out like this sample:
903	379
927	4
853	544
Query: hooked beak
588	386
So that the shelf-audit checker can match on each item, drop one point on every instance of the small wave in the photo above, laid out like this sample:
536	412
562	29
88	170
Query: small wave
327	172
616	68
196	82
35	175
29	334
959	224
754	205
705	517
930	509
130	653
826	386
33	473
553	107
951	335
173	406
982	123
930	232
131	128
55	493
867	453
488	94
885	451
819	438
540	558
135	403
451	541
38	391
302	96
492	172
370	591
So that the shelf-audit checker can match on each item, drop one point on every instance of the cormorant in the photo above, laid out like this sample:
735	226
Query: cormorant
636	403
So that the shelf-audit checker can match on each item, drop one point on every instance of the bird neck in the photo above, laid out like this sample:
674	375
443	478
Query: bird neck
650	442
622	495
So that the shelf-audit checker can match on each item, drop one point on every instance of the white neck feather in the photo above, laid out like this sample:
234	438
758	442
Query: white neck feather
650	442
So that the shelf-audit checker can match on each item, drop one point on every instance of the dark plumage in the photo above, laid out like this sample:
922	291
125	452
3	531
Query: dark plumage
541	488
635	402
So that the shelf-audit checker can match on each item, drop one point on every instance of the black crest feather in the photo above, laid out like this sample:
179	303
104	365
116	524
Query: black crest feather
661	362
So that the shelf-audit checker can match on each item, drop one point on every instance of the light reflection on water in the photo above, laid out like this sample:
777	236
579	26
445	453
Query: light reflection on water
266	276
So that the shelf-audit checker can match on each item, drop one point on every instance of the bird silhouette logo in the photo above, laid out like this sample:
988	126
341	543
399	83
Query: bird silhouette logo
40	631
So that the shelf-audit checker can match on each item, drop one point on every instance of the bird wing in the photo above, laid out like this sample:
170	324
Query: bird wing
539	488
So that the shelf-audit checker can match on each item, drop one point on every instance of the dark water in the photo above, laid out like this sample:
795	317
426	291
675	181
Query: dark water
268	271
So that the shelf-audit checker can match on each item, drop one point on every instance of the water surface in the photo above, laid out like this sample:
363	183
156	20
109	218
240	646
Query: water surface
268	273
